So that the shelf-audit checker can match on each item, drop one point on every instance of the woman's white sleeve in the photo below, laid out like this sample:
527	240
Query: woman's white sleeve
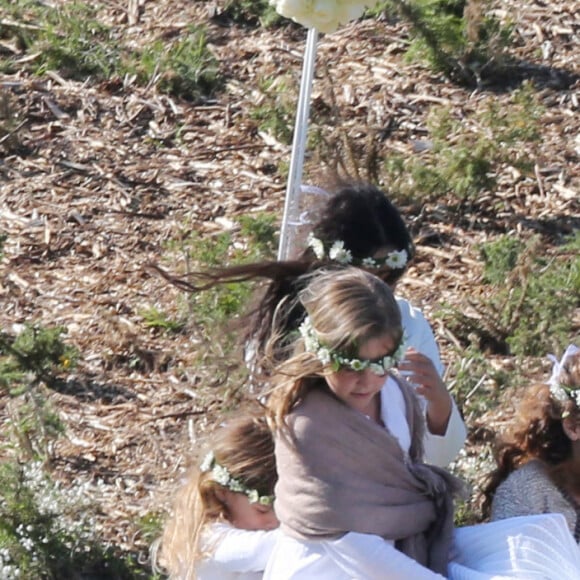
242	550
373	558
441	450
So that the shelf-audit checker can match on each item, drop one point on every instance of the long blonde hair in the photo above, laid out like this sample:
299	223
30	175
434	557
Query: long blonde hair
347	307
244	446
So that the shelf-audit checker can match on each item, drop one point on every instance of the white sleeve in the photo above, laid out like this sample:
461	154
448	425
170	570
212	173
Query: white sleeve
419	333
242	550
373	558
441	450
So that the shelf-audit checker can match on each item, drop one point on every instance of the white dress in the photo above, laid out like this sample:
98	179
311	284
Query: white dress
357	555
527	547
236	554
538	547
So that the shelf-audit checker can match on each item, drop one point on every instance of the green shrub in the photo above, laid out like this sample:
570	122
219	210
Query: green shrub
459	38
28	363
154	318
527	306
276	110
186	68
464	156
70	39
76	44
255	239
48	531
36	352
66	37
261	231
251	12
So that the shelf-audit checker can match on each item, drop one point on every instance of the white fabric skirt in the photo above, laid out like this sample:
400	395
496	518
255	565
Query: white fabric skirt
527	547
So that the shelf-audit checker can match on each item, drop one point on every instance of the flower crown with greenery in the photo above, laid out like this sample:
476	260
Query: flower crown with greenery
338	253
561	392
221	475
328	357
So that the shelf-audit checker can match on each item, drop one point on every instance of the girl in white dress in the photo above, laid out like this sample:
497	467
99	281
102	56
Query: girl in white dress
349	445
353	498
353	223
223	526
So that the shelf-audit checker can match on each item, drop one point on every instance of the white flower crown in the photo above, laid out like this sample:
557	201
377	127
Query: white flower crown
338	253
560	392
327	356
221	475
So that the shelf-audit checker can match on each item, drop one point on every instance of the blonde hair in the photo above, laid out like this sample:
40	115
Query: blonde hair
347	307
245	447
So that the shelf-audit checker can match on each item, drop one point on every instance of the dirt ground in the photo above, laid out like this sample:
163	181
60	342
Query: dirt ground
104	177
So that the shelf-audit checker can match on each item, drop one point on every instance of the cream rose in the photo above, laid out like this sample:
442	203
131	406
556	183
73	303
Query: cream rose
324	15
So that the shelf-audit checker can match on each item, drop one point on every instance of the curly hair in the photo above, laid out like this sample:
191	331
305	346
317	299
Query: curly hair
537	431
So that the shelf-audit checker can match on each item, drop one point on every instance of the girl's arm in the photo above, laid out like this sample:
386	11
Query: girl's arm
446	431
373	558
441	450
237	550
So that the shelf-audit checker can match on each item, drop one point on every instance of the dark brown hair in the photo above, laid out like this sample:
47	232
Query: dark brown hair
356	213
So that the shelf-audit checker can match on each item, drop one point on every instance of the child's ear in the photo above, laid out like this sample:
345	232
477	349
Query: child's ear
221	495
571	428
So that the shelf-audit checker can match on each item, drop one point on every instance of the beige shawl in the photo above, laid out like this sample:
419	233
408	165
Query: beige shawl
342	472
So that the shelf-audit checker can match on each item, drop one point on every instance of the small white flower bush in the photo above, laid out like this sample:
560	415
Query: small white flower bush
46	530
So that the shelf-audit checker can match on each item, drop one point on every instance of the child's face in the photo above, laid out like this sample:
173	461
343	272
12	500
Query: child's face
249	516
359	389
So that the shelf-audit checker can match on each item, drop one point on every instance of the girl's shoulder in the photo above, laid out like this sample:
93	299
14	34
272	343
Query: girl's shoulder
530	475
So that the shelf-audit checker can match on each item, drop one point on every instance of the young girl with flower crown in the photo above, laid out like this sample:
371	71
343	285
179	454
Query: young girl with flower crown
349	224
354	498
223	526
539	457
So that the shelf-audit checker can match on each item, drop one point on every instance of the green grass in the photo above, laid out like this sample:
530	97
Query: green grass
71	40
183	68
464	156
526	306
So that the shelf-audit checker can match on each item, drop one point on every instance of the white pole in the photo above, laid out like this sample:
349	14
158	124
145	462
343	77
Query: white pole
291	203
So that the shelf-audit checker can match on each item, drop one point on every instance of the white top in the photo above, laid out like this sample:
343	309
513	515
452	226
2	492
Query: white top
357	555
419	333
353	557
439	450
237	554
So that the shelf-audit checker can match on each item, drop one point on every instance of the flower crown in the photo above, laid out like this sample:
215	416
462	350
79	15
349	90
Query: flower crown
327	356
338	253
561	392
221	475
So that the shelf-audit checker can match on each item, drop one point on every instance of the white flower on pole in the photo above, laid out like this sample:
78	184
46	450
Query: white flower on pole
324	15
